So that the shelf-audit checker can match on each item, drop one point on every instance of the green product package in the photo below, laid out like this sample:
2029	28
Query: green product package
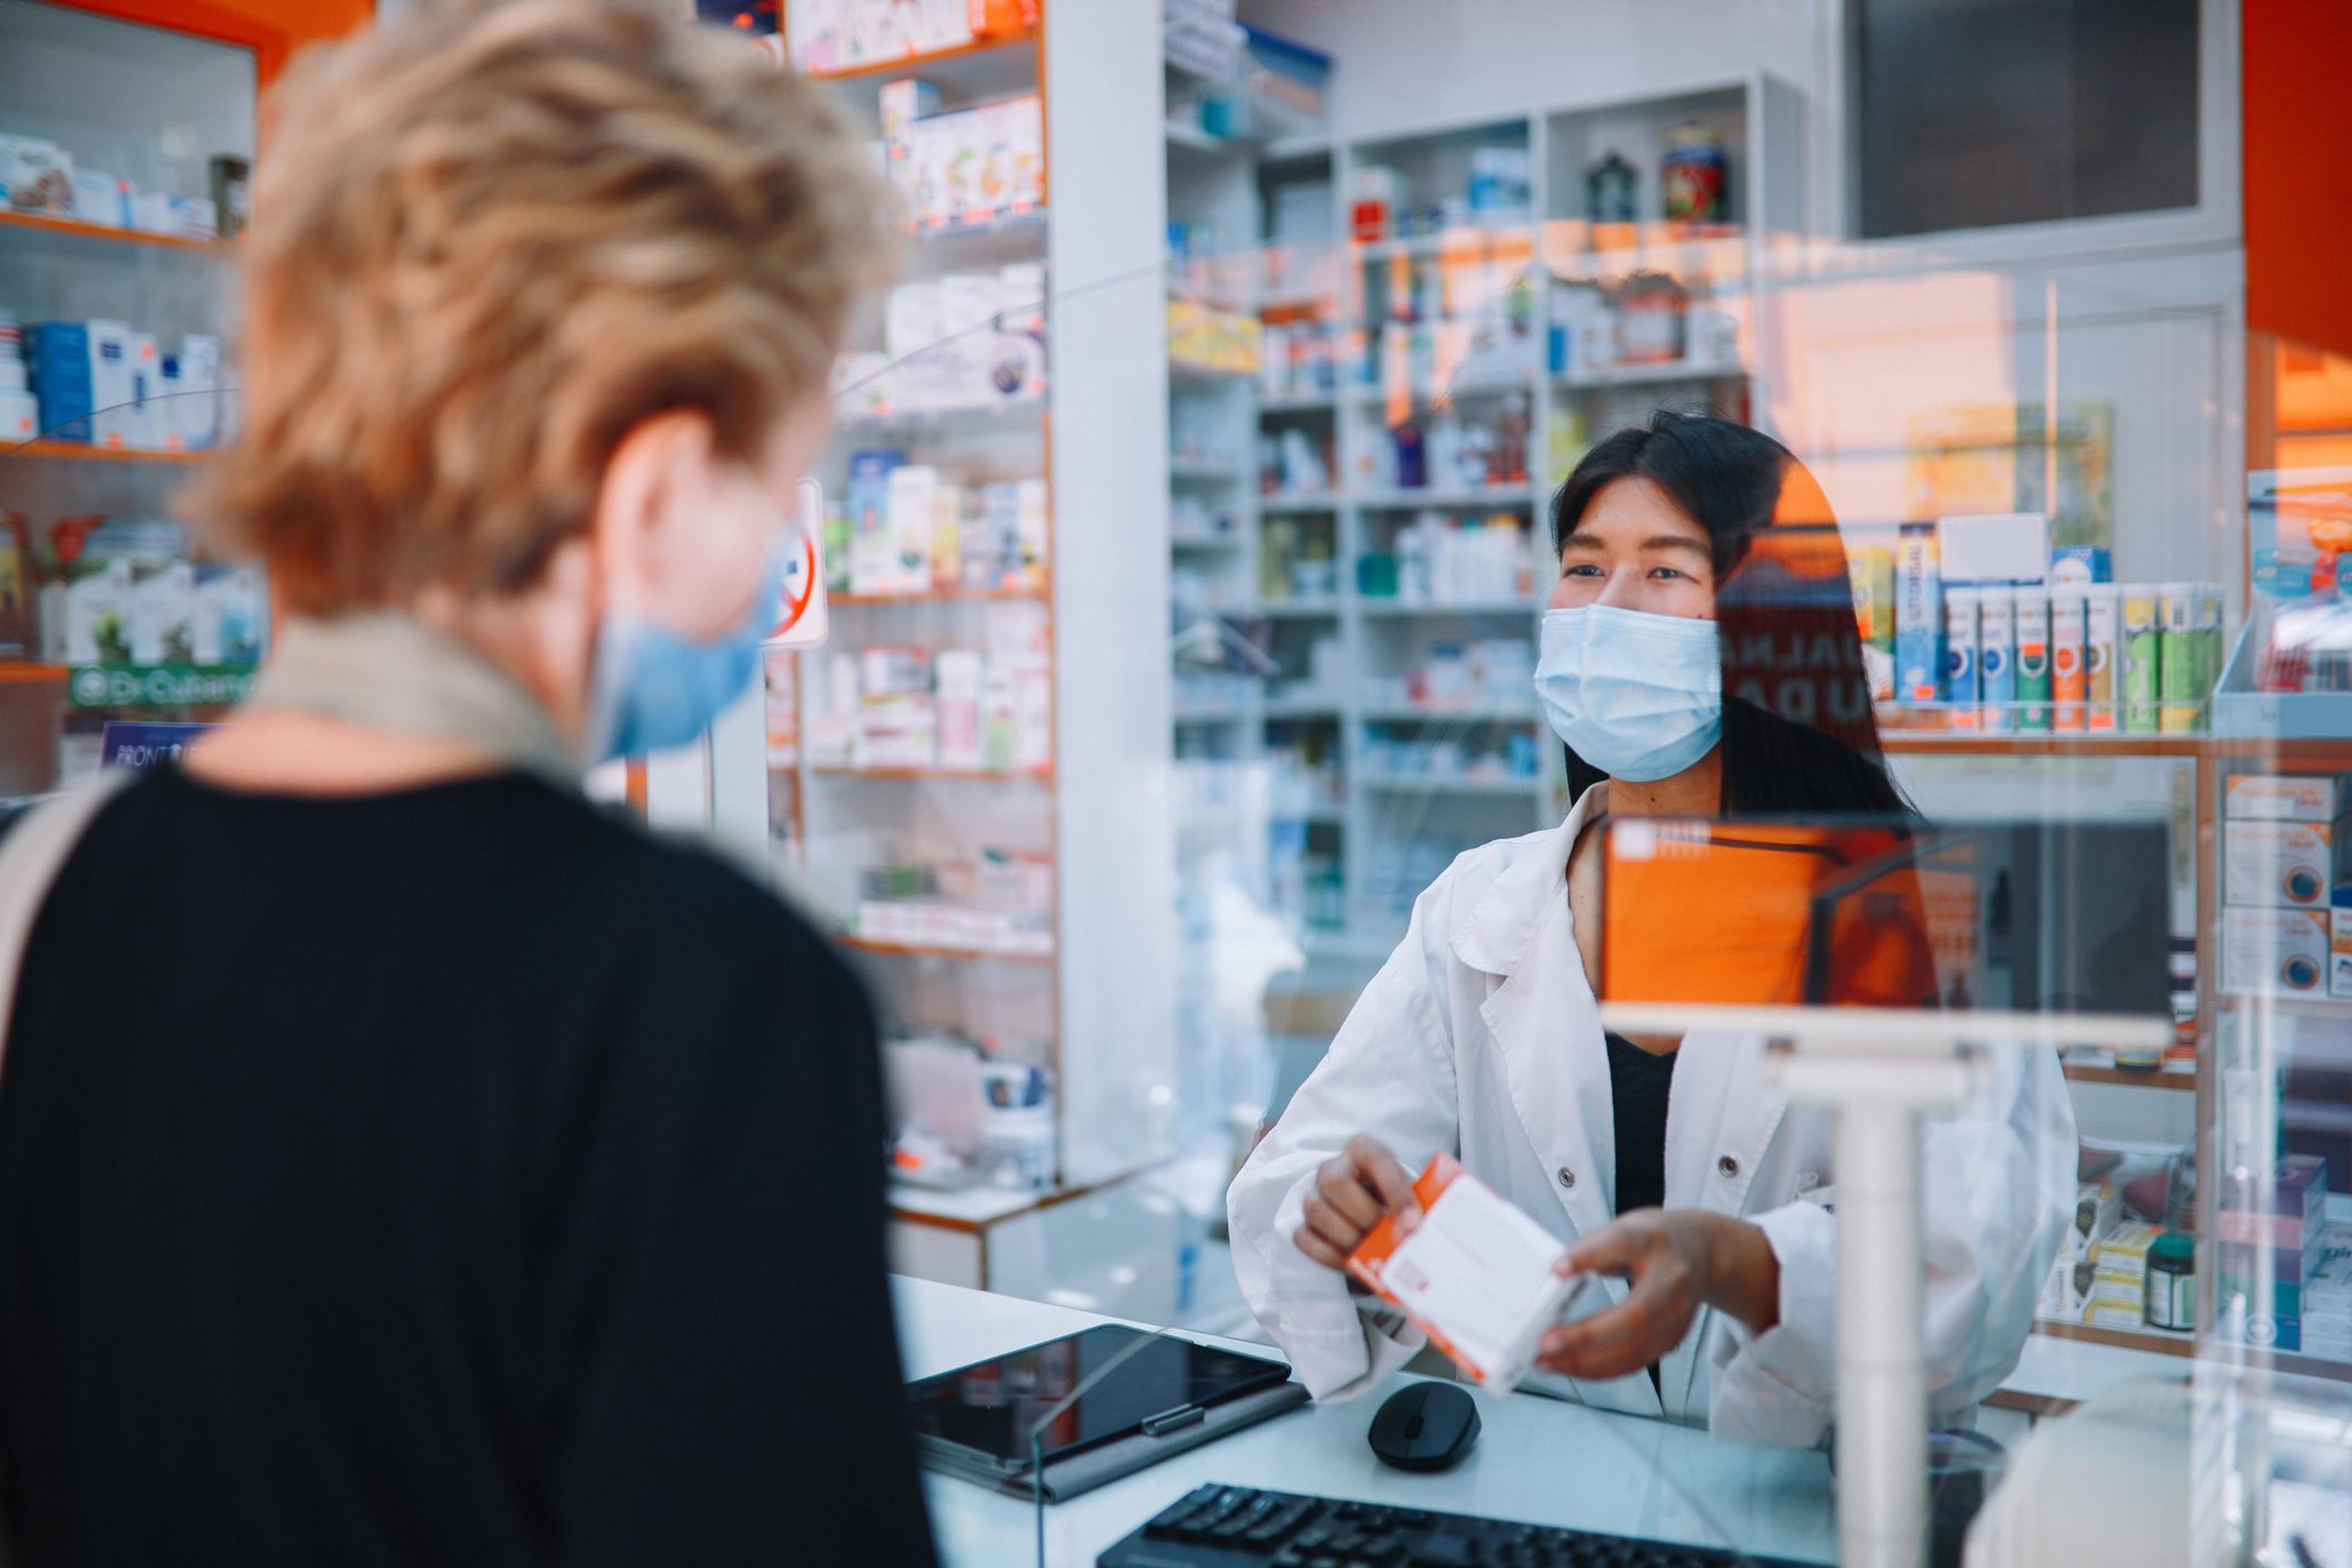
2180	678
2142	651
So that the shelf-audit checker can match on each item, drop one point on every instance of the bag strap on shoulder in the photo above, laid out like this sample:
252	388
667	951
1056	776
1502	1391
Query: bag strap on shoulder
31	854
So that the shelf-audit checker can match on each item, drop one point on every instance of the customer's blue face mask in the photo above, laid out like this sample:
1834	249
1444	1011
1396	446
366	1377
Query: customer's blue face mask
1639	696
655	687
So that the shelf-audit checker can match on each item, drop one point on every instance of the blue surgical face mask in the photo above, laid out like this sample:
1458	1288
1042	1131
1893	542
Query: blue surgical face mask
654	688
1639	696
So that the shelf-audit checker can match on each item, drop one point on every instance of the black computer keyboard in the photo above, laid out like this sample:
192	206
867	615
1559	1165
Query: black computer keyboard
1241	1527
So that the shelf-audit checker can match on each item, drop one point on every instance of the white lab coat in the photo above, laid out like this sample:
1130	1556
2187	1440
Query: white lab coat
1480	1037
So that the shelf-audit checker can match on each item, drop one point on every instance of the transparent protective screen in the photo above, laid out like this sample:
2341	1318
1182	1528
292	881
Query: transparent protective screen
1185	769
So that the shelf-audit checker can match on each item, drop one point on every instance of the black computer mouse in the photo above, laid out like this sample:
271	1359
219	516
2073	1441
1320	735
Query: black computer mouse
1425	1426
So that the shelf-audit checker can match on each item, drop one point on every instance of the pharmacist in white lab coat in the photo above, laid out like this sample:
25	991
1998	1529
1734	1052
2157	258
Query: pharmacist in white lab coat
1673	1167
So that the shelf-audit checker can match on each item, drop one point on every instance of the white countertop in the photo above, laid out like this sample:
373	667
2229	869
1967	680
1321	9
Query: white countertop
1537	1461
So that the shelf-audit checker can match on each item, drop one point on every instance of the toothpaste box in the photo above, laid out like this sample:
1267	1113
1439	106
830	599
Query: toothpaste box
1918	616
2289	798
2275	952
2294	865
1475	1275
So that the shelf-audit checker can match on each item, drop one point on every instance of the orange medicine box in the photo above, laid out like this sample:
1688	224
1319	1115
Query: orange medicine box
1475	1275
2272	864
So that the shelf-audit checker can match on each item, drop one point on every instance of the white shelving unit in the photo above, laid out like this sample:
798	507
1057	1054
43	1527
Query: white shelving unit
1095	1001
1379	636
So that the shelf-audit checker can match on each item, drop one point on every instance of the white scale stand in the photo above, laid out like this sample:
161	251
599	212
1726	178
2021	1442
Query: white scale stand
1881	1069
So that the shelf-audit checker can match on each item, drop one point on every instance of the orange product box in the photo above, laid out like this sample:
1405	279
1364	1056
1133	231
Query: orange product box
1475	1275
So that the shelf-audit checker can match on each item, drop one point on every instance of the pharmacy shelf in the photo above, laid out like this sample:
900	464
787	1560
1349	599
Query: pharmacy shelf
1456	391
1016	221
1668	373
2321	1009
39	223
1973	744
1466	714
2163	1341
926	950
1443	783
1197	471
977	775
23	673
1313	815
1401	609
1497	496
82	452
1301	713
1316	609
1316	405
945	596
1025	415
937	62
1193	372
2136	1077
1456	238
1204	540
1328	500
1185	136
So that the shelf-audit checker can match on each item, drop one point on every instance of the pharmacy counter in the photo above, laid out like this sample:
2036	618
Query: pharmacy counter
1537	1461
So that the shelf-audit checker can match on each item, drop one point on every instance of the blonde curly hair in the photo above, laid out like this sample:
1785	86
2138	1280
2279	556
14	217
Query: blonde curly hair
488	241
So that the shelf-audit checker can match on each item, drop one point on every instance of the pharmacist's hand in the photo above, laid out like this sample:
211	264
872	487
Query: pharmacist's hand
1679	1260
1353	1190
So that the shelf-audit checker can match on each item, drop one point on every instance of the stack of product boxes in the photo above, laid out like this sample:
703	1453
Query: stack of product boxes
2271	1232
2326	1297
965	167
990	901
2069	1296
960	709
903	530
967	340
2119	1267
37	175
1448	559
1999	633
128	590
848	34
2284	868
103	383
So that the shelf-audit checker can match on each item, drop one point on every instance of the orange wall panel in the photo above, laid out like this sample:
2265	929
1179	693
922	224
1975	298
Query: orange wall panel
2298	169
272	29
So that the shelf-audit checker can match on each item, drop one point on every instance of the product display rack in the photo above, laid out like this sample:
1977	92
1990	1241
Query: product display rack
2209	758
1073	990
819	801
75	228
1741	275
1377	633
59	268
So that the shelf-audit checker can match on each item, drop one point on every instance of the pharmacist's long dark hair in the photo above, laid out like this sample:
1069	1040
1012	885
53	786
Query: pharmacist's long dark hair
1799	734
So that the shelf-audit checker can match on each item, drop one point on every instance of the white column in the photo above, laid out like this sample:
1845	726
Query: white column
1114	835
1882	1391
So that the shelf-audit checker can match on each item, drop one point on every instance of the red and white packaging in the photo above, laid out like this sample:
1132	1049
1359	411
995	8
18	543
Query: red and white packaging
1475	1275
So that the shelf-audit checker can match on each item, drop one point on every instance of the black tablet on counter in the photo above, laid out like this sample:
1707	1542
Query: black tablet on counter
1171	1395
